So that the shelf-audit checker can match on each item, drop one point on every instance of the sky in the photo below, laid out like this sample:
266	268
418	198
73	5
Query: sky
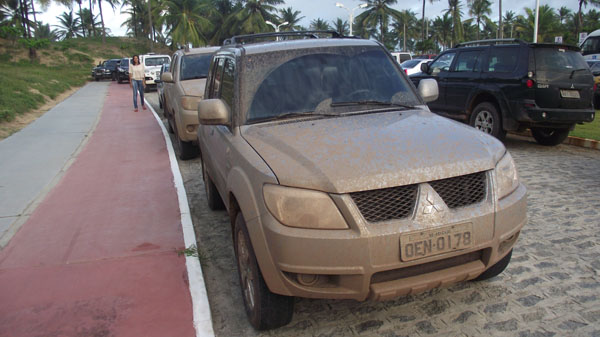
326	9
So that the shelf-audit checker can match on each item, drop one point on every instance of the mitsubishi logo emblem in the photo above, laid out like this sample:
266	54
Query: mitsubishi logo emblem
432	207
572	86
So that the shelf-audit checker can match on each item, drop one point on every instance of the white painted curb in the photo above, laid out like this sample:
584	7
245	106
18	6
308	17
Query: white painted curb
200	306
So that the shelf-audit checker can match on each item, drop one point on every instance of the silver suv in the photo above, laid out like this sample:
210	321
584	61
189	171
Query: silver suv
339	181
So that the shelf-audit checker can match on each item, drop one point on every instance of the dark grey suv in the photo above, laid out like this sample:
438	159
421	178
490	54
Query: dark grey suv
508	85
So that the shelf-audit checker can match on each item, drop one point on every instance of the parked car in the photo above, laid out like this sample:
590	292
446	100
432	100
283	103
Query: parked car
401	56
426	56
106	69
338	180
503	85
595	69
590	47
413	66
123	71
183	89
152	64
160	86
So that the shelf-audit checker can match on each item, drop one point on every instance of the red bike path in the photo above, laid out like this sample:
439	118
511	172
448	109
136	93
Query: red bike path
98	256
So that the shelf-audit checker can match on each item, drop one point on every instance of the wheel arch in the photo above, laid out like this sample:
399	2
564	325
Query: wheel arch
493	97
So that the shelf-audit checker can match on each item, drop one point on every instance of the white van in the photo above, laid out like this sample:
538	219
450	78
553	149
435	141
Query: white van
590	47
152	64
401	56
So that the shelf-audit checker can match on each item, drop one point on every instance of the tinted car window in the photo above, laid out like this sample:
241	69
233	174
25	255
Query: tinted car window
558	59
502	60
156	61
443	63
468	61
111	64
318	80
194	66
591	46
124	62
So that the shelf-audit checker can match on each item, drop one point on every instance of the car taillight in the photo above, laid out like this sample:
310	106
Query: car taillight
530	83
406	71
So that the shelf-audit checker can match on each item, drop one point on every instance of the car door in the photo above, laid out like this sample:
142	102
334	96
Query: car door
439	70
168	88
462	80
218	138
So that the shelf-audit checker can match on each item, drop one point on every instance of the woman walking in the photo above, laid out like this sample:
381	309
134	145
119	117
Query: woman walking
136	81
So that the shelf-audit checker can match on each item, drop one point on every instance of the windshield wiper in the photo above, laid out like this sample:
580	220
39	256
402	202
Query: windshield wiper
573	72
372	102
292	115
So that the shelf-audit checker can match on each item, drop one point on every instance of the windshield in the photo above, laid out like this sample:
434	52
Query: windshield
124	62
111	64
155	61
410	63
321	82
195	66
558	59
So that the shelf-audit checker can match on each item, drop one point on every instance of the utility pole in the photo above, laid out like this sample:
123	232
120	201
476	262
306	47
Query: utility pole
537	15
151	27
350	12
500	26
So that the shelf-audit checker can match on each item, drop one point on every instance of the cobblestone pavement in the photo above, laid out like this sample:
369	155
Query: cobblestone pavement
550	288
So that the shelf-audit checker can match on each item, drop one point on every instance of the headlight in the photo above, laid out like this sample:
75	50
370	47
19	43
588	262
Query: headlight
296	207
190	102
506	176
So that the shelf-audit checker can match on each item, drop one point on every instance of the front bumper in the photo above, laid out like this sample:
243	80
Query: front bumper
364	262
189	125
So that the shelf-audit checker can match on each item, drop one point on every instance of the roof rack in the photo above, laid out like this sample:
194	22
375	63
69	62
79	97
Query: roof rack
310	34
489	42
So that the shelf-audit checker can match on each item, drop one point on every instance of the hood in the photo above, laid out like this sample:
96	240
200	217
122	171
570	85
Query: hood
364	152
194	87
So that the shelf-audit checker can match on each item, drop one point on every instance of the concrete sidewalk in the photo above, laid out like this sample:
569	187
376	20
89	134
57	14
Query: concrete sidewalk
98	256
32	158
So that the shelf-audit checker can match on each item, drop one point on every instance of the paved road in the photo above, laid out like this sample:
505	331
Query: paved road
551	287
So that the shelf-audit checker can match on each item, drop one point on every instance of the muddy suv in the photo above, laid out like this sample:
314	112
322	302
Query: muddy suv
509	85
339	181
182	89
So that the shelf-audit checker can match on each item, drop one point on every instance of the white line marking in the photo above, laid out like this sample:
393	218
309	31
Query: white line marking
200	306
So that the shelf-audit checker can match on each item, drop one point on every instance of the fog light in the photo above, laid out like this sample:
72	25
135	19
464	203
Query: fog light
191	128
504	245
307	279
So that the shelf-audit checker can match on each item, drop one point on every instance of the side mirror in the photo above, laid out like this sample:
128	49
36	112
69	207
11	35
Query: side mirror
167	77
425	67
428	89
213	112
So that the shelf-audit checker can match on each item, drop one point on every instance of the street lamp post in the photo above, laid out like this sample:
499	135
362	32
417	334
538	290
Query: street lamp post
350	12
276	27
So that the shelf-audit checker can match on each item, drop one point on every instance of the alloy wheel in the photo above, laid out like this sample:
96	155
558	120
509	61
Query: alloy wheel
484	121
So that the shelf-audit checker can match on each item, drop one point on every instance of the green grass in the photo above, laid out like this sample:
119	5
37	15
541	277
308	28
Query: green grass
588	130
24	85
18	79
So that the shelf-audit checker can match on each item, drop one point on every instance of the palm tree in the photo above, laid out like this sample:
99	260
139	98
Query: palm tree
43	32
455	11
292	17
378	12
584	3
186	21
480	9
68	26
423	20
250	18
563	13
341	27
406	20
547	24
509	19
113	4
441	27
319	24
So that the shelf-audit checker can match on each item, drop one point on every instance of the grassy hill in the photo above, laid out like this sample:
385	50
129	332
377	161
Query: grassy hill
26	85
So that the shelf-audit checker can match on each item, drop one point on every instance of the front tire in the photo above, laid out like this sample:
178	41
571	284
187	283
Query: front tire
496	269
485	118
213	198
549	137
265	310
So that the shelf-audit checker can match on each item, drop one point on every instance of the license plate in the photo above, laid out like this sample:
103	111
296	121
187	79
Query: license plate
416	245
569	93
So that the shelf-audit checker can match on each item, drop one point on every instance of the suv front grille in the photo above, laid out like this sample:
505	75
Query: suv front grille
387	203
461	191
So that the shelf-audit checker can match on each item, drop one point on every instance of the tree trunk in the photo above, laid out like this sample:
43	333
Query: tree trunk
578	25
102	20
92	19
26	11
134	22
23	22
80	18
423	26
381	29
478	21
33	11
151	27
404	42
